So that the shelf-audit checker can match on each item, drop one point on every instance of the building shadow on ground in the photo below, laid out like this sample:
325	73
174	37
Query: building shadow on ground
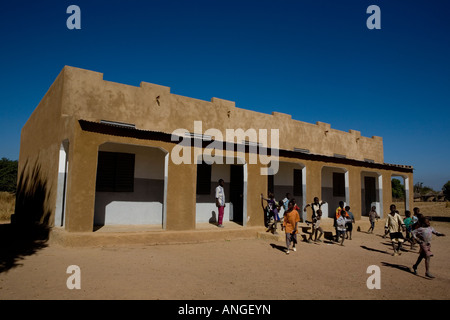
29	229
19	241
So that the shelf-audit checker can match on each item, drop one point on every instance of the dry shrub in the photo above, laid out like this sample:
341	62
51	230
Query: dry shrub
7	205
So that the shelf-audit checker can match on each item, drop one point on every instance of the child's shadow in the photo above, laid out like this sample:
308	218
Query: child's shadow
401	267
275	246
366	232
375	250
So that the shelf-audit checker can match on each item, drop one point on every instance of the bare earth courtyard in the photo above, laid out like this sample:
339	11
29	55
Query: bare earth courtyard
253	269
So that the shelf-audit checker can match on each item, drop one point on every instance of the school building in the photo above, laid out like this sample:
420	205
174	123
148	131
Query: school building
96	153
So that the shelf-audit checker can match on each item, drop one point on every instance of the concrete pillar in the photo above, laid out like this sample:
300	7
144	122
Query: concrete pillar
355	191
81	182
256	184
181	196
313	183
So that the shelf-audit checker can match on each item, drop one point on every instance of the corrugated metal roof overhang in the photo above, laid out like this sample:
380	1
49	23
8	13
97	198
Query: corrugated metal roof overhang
117	130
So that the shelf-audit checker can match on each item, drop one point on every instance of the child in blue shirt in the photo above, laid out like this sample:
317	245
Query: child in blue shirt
408	221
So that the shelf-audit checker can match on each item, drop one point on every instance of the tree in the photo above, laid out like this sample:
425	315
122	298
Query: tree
8	175
418	187
446	190
398	190
421	189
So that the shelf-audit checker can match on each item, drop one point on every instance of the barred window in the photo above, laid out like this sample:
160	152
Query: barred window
203	178
338	184
298	182
115	172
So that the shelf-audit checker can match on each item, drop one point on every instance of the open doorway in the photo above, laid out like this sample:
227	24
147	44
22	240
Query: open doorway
234	177
290	178
335	188
400	192
237	193
371	192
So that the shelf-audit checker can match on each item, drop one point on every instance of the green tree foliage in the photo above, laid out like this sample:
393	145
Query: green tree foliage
398	190
8	175
446	190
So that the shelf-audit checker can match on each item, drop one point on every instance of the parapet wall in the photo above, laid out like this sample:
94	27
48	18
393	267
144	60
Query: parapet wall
153	107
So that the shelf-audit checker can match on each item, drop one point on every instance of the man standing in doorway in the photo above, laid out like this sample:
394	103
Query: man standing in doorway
220	201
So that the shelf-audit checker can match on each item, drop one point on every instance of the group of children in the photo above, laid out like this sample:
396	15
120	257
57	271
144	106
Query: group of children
416	226
343	223
289	210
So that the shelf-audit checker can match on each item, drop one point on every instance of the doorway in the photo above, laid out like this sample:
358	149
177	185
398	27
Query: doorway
235	179
335	188
400	191
370	194
237	193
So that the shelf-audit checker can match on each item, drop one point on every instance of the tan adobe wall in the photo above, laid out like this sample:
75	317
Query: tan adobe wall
41	138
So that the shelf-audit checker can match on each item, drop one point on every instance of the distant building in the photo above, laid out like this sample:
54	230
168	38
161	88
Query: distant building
417	197
95	153
432	196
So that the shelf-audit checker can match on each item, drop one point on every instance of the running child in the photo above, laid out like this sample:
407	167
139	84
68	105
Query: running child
317	227
394	225
423	236
373	216
273	210
341	228
315	206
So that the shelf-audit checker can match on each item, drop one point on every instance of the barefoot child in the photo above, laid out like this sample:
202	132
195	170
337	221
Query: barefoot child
423	236
317	227
416	216
373	216
341	227
394	225
315	206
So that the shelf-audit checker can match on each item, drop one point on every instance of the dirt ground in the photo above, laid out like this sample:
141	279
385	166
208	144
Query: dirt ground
255	269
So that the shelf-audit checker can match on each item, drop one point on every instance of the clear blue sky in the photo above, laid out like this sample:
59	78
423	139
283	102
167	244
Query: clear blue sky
315	60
